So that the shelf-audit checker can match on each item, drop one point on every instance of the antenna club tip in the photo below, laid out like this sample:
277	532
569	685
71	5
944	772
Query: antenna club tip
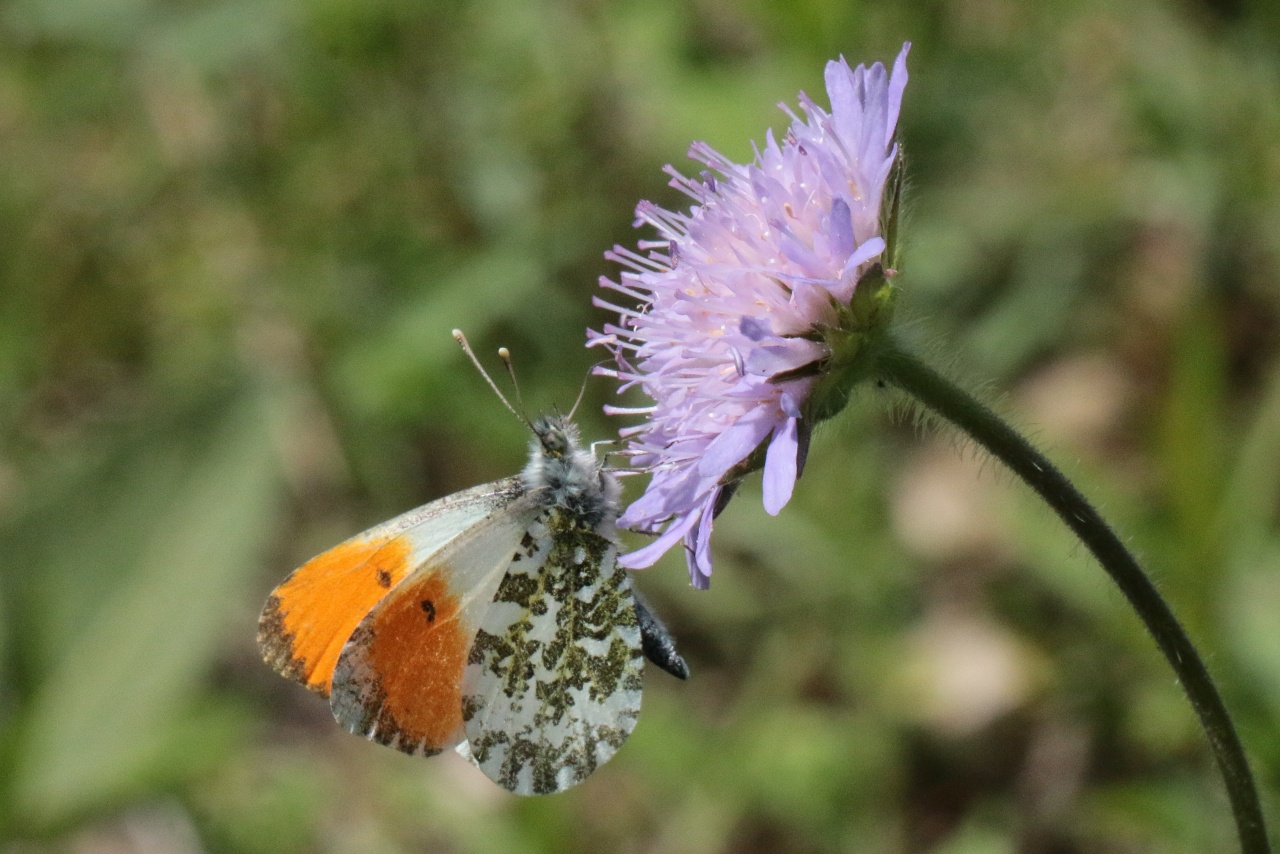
504	353
457	335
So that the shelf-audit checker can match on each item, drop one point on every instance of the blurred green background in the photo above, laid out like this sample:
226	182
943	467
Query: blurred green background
234	236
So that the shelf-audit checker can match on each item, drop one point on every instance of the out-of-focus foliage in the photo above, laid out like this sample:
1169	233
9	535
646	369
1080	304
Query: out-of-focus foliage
234	235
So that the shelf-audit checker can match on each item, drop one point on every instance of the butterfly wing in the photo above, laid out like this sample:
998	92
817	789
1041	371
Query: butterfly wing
398	679
309	617
553	684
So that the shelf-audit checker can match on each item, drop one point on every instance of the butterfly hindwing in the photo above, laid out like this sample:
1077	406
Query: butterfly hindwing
553	684
309	617
398	679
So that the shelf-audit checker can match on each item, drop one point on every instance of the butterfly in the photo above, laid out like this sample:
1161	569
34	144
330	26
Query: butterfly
495	621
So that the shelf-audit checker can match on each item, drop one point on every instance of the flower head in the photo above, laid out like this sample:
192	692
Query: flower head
745	303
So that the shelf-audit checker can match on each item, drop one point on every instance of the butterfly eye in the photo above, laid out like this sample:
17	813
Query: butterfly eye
554	442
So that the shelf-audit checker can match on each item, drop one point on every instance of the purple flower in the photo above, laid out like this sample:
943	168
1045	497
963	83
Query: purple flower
736	300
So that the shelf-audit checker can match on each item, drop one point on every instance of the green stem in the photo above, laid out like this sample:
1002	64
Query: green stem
980	423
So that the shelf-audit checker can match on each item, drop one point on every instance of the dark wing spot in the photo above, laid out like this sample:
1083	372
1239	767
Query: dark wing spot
429	608
384	579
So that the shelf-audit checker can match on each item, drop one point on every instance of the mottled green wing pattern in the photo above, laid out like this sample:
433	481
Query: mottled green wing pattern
553	682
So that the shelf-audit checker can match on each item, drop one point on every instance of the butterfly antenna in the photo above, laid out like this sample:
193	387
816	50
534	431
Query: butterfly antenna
466	348
583	388
505	355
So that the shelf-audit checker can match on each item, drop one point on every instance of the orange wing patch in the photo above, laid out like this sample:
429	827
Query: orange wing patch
399	681
309	617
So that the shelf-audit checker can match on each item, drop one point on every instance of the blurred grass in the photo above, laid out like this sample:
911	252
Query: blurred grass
234	236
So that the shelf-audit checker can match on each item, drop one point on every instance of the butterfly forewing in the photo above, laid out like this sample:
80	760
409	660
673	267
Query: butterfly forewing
398	679
553	684
310	616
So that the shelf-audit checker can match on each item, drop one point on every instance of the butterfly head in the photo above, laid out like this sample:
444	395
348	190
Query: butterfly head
569	477
557	437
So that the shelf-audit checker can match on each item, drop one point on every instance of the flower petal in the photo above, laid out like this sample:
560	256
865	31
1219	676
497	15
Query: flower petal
648	556
897	85
699	551
789	354
732	446
755	328
780	467
840	225
849	276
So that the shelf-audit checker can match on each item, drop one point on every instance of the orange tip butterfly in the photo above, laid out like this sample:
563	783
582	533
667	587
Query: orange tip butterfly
495	621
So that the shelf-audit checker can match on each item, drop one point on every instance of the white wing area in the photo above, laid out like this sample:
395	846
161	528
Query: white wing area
429	527
553	684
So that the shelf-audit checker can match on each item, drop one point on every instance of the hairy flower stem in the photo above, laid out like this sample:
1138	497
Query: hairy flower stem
983	426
